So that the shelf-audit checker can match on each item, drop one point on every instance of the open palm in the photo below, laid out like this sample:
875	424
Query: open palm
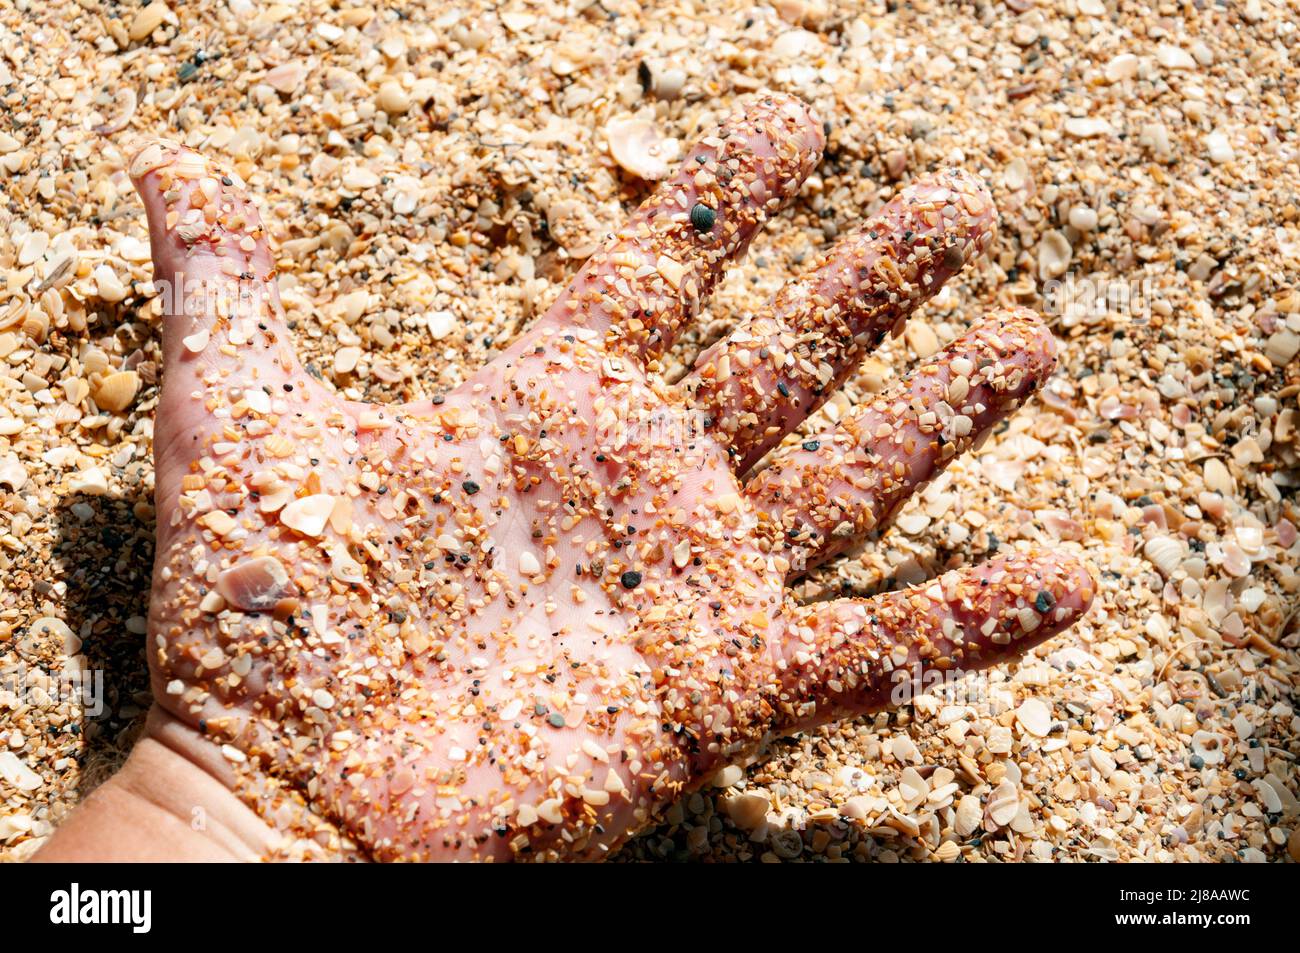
520	619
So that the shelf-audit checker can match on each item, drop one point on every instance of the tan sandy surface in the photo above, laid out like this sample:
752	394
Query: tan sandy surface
433	172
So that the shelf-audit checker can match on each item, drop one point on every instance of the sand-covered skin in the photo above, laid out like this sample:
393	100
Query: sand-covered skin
430	182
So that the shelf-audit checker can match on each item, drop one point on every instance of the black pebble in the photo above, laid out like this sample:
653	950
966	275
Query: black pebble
703	217
630	579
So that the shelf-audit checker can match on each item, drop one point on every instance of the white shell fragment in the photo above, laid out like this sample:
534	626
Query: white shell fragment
1054	254
1165	553
968	815
196	342
1002	806
1086	127
637	146
1209	747
309	514
16	772
254	585
13	473
116	391
274	498
1035	717
344	568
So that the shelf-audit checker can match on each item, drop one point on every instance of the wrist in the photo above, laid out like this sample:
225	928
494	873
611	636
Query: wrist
173	799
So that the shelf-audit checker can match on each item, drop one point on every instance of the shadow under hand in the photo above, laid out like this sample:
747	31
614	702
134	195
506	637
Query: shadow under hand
103	556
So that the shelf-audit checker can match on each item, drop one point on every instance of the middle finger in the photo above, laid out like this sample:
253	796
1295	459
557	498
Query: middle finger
778	367
654	274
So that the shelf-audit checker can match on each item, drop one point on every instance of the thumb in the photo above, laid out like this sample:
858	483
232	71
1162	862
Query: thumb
228	359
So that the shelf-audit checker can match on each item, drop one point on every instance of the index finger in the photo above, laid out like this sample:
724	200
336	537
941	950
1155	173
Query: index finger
653	275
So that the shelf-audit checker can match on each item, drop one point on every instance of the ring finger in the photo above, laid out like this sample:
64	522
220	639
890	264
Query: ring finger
818	498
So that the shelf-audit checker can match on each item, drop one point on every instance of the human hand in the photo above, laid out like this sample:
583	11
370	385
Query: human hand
518	619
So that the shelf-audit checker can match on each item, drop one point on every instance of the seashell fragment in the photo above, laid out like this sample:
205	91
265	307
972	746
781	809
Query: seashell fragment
125	100
196	342
1217	477
16	772
286	77
1165	553
637	146
116	391
255	585
1034	717
748	810
108	286
1003	804
51	625
1209	746
147	20
152	157
1086	127
309	514
344	568
219	522
13	473
1054	254
275	497
968	815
